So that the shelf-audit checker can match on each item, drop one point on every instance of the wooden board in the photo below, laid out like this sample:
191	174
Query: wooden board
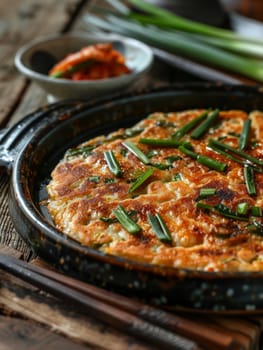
24	334
53	315
19	299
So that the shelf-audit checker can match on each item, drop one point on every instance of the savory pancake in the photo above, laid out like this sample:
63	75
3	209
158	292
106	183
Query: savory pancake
181	189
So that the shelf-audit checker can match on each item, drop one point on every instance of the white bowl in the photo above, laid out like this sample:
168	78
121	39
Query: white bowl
138	57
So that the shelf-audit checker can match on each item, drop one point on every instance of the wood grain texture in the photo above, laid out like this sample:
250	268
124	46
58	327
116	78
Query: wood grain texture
32	335
8	234
66	320
20	23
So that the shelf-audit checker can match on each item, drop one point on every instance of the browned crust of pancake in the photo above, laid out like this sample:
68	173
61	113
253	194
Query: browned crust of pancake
83	191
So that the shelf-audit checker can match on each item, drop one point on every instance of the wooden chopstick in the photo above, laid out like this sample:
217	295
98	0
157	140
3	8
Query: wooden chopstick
149	323
203	335
115	317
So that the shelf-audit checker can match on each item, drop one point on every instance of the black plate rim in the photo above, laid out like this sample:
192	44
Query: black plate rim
52	233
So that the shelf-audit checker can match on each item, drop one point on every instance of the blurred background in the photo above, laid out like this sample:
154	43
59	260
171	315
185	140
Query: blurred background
214	12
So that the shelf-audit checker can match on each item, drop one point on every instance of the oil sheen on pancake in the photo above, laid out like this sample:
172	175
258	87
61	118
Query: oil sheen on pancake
181	189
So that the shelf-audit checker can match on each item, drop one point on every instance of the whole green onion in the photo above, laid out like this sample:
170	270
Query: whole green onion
141	179
238	45
168	18
159	228
124	219
171	159
178	43
112	163
136	151
209	35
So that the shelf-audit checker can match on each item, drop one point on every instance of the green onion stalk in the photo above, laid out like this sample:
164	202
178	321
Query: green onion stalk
165	18
126	222
244	137
112	163
177	42
159	227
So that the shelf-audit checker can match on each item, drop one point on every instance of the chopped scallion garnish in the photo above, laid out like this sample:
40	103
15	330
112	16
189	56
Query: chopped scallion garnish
221	209
244	137
95	179
112	163
256	211
84	151
177	177
109	180
230	156
207	192
165	124
108	220
205	206
171	159
204	160
242	208
141	179
160	142
136	151
205	125
255	228
250	180
227	212
219	145
224	153
189	126
124	219
212	163
159	228
188	152
152	153
162	166
132	132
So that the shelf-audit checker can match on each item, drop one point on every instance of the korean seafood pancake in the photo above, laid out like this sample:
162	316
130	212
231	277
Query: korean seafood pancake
182	189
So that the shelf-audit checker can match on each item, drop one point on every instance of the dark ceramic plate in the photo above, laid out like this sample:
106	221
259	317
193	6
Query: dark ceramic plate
32	148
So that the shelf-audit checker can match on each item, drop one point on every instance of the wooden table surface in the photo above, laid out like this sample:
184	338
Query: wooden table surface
34	320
